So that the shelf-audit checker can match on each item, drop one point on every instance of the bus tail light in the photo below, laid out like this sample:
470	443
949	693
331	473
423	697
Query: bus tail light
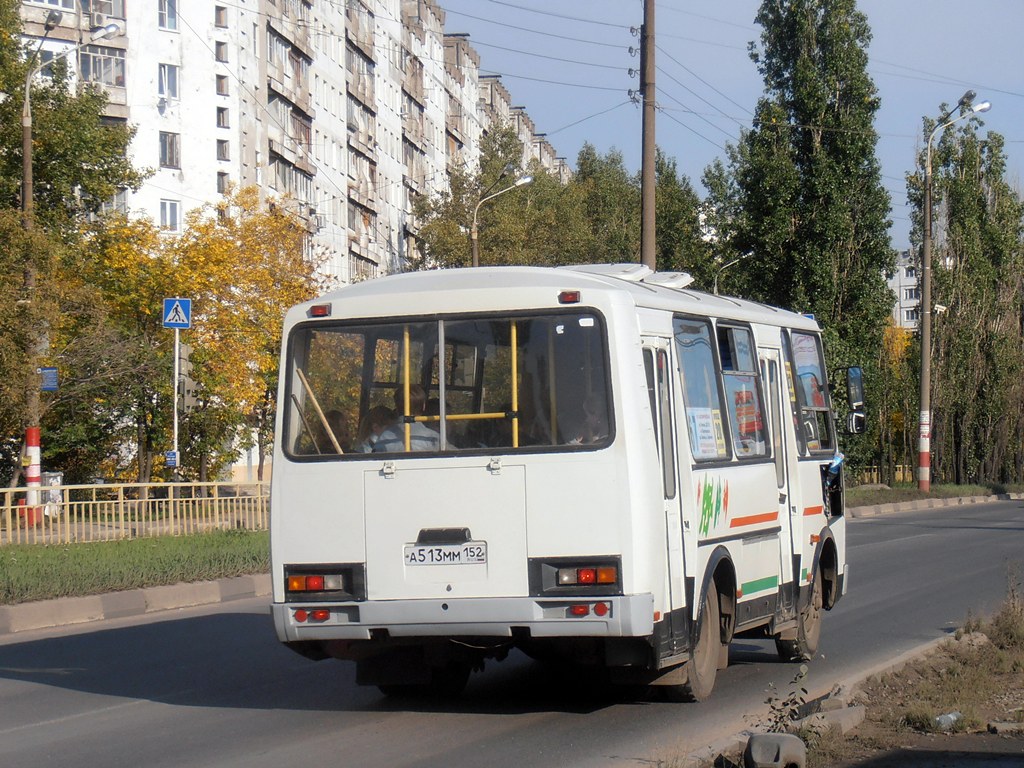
579	610
324	582
587	576
599	575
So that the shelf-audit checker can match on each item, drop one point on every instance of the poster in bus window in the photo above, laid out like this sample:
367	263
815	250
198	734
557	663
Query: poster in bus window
703	432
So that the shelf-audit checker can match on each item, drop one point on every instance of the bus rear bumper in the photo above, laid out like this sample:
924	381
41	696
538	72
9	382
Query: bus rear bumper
617	616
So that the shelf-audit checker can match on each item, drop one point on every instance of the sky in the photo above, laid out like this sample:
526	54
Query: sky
568	63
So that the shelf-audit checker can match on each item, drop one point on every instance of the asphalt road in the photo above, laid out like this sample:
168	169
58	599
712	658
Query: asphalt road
211	686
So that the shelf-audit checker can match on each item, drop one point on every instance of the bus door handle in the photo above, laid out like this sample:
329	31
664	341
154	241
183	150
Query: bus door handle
388	470
494	466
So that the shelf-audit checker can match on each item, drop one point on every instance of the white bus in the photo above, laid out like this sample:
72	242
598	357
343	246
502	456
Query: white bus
591	463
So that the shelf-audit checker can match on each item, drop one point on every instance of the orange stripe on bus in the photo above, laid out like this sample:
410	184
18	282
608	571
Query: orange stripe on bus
810	511
767	517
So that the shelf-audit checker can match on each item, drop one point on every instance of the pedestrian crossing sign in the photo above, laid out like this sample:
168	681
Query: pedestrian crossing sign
177	313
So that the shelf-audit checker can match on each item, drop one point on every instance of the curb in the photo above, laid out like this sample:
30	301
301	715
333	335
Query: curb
919	504
69	611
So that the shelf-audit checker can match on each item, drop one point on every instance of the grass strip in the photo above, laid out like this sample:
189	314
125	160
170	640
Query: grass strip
35	572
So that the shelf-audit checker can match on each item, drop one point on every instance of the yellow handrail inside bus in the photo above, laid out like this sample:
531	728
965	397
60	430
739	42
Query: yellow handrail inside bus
515	385
405	387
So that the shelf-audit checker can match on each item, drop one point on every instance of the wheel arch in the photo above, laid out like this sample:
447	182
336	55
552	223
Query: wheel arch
826	562
721	572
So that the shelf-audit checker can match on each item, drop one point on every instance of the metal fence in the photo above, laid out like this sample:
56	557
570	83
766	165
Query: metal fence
83	513
902	473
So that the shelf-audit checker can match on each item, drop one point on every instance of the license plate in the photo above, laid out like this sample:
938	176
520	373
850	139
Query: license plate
469	553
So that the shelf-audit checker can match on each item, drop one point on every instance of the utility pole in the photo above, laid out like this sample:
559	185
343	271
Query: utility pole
647	177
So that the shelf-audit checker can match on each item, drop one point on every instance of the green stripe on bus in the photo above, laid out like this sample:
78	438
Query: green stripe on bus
760	585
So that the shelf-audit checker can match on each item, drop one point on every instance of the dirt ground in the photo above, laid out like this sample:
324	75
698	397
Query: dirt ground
970	675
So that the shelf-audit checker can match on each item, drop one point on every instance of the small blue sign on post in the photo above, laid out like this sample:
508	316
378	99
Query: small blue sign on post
177	313
49	382
171	459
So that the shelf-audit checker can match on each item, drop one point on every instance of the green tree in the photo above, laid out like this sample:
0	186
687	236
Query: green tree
802	199
978	275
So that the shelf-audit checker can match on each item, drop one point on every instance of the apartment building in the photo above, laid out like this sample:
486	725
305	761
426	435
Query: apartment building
905	285
345	110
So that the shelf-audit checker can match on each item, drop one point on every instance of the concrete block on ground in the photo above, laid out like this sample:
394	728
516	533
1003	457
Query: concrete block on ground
119	604
181	595
50	613
1006	729
237	588
775	750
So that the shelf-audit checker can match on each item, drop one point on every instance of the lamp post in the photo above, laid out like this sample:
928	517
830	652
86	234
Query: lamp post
924	448
473	230
36	343
725	266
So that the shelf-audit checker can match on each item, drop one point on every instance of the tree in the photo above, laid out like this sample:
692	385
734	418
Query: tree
79	161
978	276
802	199
243	263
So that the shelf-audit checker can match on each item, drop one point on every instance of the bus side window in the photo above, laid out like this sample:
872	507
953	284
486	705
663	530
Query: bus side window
812	394
701	395
742	391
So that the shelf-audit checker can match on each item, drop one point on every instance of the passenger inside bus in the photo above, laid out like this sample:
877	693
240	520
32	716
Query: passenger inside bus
373	423
421	437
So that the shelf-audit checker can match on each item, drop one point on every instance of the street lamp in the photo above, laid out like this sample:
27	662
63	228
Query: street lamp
473	231
924	448
37	336
725	266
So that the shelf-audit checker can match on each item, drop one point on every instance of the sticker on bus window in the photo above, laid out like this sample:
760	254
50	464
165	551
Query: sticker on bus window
586	322
719	433
703	438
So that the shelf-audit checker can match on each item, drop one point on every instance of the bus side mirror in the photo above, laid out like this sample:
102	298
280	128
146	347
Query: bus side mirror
855	388
856	423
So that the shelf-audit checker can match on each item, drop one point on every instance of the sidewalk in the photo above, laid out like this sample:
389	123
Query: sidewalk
64	611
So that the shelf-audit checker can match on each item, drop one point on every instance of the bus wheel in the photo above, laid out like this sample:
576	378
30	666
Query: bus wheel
808	628
706	650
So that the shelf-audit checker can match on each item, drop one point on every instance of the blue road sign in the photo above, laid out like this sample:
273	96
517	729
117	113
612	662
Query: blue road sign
177	313
49	381
171	459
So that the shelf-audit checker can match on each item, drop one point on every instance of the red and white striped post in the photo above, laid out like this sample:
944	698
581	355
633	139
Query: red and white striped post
33	468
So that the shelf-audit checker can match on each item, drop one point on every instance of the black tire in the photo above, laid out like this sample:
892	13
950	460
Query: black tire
705	651
808	633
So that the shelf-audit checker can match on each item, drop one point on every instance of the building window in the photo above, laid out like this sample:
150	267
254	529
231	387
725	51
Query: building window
912	294
100	64
220	16
222	183
221	49
69	4
170	215
223	149
222	85
168	81
167	14
170	150
223	117
910	272
113	8
910	315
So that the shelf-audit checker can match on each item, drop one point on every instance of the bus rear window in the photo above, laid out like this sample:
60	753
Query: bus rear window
458	384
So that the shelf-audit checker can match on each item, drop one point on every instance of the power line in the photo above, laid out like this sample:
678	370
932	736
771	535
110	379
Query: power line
589	117
557	15
550	82
543	56
691	130
709	85
533	31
